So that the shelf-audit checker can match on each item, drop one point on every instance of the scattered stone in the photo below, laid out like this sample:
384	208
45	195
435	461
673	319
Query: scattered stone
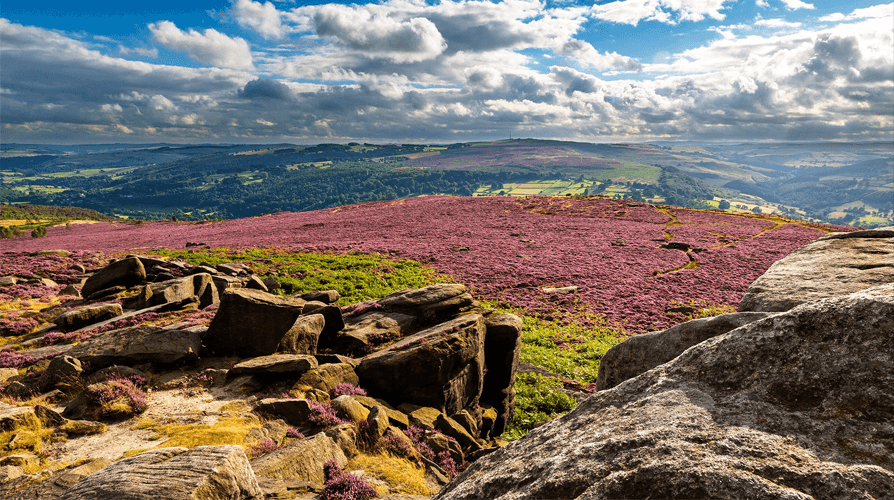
8	280
293	411
396	417
796	405
251	322
47	282
442	367
334	321
833	265
113	372
451	428
194	288
70	290
275	363
255	283
207	472
79	317
348	409
640	353
676	245
565	290
302	460
125	272
138	344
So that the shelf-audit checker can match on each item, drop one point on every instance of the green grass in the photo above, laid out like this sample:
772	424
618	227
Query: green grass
356	276
538	399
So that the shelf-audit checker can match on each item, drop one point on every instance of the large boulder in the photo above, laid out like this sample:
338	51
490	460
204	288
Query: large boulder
796	405
834	264
138	344
502	348
363	332
641	353
204	472
302	460
430	303
198	288
441	367
303	336
275	363
251	322
125	272
82	316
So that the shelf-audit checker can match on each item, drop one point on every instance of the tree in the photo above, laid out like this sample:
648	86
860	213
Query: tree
723	205
756	210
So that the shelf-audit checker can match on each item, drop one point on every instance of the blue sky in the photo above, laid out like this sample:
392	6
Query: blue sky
446	71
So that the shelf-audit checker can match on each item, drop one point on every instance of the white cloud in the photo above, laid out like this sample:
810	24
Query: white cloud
589	57
797	4
142	51
409	40
874	12
666	11
762	3
261	17
210	47
776	23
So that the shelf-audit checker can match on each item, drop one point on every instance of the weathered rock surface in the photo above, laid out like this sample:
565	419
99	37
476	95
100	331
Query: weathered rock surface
125	272
303	336
796	405
82	316
442	367
293	411
138	344
429	303
833	265
502	348
328	375
275	363
52	486
204	472
641	353
360	331
251	322
198	288
302	460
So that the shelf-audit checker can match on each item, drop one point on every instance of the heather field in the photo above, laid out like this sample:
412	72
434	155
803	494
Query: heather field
507	249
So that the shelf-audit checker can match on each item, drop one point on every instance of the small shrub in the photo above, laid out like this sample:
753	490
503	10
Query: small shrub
119	398
292	432
323	415
262	447
346	388
341	485
39	232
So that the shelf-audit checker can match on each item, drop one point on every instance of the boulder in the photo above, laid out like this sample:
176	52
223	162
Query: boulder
206	472
363	332
302	460
796	405
197	288
378	422
430	303
502	348
439	443
345	436
442	367
326	376
138	344
226	282
275	363
396	417
8	281
251	322
55	483
332	314
294	411
420	416
255	283
303	336
125	272
833	265
641	353
348	409
452	428
325	296
113	372
63	371
82	316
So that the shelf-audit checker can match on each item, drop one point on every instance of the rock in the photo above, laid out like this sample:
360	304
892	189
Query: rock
564	290
293	411
226	282
439	443
275	363
70	290
467	421
502	348
378	422
676	245
640	353
796	405
304	335
20	460
451	428
7	373
195	288
9	472
421	416
334	320
348	409
271	283
107	293
325	377
63	371
834	264
325	296
206	472
362	332
230	269
58	482
488	419
125	272
8	280
255	283
251	322
138	344
82	316
345	436
396	418
302	460
113	372
441	367
336	358
430	303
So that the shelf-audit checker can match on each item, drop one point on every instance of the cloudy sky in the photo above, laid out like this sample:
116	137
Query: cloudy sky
445	71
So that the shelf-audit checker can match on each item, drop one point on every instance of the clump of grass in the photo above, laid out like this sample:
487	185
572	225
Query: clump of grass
538	399
356	276
401	475
228	430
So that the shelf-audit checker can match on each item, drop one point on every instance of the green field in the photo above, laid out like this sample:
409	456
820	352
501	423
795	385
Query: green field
545	188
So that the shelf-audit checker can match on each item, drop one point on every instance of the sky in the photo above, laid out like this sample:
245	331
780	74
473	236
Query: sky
416	71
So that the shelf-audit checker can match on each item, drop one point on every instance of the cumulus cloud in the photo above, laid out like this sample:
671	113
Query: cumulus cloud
266	89
260	17
874	12
666	11
776	23
589	57
410	40
797	4
210	47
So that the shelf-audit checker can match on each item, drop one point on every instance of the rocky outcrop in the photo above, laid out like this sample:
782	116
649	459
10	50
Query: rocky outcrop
251	322
303	336
502	348
796	405
198	288
442	367
275	363
833	265
302	460
82	316
641	353
136	345
204	472
125	272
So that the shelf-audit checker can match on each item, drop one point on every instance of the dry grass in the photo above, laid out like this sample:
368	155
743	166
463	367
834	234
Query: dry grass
228	430
401	475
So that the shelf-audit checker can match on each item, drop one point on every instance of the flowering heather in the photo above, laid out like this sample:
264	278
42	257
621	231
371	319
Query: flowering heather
346	388
292	432
119	397
341	485
323	415
609	249
11	359
262	447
